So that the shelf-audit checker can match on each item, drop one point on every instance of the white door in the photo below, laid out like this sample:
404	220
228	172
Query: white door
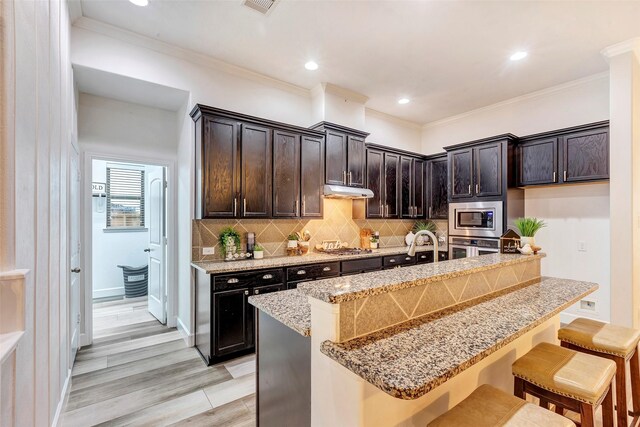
74	251
157	248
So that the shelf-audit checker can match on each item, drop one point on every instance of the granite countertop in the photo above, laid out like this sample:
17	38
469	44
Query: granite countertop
348	288
214	267
288	307
409	360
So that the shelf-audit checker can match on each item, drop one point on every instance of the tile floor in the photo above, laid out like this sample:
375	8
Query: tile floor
140	373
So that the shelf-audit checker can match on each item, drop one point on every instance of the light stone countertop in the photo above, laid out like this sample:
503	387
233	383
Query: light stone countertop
409	360
215	267
348	288
290	308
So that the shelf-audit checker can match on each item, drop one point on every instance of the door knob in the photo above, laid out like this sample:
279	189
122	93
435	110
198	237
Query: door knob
75	270
148	250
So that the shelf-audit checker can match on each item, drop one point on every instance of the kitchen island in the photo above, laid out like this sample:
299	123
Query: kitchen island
400	347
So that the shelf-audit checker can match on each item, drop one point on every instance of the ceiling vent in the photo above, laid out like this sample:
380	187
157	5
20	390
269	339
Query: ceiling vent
262	6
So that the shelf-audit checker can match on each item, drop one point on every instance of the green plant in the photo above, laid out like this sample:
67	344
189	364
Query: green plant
229	234
258	248
424	225
292	236
373	240
528	227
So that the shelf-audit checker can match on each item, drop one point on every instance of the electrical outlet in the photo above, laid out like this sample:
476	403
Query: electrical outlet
582	246
588	305
209	251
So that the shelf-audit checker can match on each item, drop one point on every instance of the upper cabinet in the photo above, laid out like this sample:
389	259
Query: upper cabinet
345	155
412	189
574	154
481	169
437	181
247	167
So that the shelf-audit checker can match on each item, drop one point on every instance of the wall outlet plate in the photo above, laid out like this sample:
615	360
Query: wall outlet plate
588	305
582	246
209	251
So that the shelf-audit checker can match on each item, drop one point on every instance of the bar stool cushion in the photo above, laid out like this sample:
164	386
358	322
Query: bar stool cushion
601	337
488	407
566	372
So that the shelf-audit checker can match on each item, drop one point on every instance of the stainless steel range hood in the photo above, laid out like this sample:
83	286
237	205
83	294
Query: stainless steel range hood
342	192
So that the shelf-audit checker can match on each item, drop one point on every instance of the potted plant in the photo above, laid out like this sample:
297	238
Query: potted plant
229	240
258	251
419	226
374	242
528	227
292	241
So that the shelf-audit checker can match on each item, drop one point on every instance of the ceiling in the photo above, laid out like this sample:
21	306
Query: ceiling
448	57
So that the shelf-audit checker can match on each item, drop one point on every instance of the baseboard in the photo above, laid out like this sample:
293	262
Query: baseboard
108	292
64	397
187	336
84	340
172	321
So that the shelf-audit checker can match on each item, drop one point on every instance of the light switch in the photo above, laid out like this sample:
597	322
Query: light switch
582	246
209	251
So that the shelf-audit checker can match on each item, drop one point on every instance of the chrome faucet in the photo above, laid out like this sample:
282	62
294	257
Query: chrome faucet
434	239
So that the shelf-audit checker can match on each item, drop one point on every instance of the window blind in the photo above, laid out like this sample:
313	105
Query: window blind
125	197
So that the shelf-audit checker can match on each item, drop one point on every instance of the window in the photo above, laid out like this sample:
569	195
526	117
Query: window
125	197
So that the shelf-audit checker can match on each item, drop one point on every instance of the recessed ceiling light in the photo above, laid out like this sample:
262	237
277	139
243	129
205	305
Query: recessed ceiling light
403	101
140	2
518	56
311	66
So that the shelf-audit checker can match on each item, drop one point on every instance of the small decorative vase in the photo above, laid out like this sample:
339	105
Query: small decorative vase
524	240
230	249
374	245
304	247
420	241
292	244
258	254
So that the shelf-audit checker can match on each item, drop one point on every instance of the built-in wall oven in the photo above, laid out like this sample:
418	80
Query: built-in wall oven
466	247
476	219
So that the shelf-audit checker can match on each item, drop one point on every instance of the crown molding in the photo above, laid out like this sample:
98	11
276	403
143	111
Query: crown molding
184	54
531	95
394	119
631	45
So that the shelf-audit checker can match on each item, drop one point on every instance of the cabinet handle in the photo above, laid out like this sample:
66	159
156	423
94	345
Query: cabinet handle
387	211
304	205
244	206
392	260
344	177
296	207
407	258
246	292
267	276
301	272
554	176
349	177
477	188
565	175
233	280
423	256
326	269
235	206
429	211
256	291
381	211
469	188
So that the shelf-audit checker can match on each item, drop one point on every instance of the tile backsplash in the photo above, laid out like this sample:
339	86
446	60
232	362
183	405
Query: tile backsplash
272	233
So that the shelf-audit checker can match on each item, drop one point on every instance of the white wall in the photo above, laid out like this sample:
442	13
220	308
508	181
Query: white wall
574	212
40	115
393	132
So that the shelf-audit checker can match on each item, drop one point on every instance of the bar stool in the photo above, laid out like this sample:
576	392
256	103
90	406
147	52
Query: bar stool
489	407
571	380
613	342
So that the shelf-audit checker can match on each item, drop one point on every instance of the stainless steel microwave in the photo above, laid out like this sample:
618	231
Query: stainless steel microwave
476	219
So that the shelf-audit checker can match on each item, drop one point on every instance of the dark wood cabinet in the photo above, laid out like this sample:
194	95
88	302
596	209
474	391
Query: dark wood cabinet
375	159
255	181
232	318
344	154
312	179
461	168
488	170
286	174
390	185
438	194
576	154
419	189
412	173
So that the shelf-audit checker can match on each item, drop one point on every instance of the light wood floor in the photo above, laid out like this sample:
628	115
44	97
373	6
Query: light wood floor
140	373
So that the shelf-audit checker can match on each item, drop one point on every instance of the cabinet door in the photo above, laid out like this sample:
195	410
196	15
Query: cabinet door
312	180
461	173
438	192
538	162
256	171
231	320
488	171
355	161
336	158
586	155
390	201
419	188
220	166
406	184
251	310
374	183
286	174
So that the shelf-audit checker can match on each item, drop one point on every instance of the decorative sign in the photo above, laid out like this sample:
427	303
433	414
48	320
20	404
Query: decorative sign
99	189
509	242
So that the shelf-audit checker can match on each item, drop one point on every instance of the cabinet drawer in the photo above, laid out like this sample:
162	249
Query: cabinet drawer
254	278
361	265
314	271
424	257
391	261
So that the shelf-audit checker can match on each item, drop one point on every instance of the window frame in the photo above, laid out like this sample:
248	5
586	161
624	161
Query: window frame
123	196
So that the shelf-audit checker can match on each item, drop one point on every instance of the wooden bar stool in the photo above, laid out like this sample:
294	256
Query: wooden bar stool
489	407
613	342
571	380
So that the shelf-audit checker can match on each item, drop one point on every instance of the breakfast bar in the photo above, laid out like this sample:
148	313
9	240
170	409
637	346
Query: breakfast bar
401	347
